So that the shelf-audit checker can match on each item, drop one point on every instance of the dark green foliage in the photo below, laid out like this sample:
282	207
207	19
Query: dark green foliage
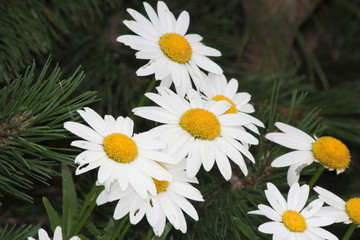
31	27
32	112
17	233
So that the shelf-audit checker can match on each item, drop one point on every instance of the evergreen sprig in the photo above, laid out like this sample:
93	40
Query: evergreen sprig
32	111
17	233
30	28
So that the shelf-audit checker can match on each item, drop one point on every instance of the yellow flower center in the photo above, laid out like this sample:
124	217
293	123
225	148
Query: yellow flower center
352	207
331	152
175	47
160	185
201	124
294	221
232	109
120	148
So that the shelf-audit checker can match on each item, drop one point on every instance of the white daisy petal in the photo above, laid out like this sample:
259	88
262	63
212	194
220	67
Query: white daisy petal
140	30
340	215
239	135
293	196
87	145
233	154
294	131
312	208
157	156
110	122
282	234
186	190
330	198
135	180
231	88
120	124
163	70
193	162
233	119
154	113
270	227
324	234
84	132
275	198
160	226
219	107
294	171
182	23
137	210
141	19
156	170
289	141
193	38
206	64
270	213
319	221
90	166
303	197
153	17
128	127
241	148
208	51
153	212
123	207
184	205
148	68
149	54
223	164
105	171
43	234
291	158
95	121
164	16
207	155
194	98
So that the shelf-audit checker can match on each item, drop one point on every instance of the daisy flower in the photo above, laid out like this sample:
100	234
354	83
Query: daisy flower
347	212
290	220
199	130
328	151
42	234
169	203
120	155
173	55
217	88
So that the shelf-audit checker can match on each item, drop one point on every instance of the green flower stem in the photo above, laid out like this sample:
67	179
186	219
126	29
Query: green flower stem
316	175
124	231
86	210
349	232
149	233
148	89
120	227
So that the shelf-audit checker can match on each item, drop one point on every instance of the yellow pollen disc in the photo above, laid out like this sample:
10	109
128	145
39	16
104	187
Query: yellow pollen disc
160	185
232	109
120	148
352	207
294	221
175	47
331	152
201	124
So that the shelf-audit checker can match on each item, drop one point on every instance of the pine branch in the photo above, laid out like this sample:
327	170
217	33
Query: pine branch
32	113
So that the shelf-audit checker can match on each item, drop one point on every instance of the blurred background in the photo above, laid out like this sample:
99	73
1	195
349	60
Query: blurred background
311	46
